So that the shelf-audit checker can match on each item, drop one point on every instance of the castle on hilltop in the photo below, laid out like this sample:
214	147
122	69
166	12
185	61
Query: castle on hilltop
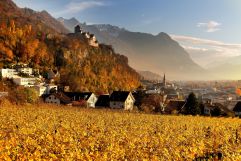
90	37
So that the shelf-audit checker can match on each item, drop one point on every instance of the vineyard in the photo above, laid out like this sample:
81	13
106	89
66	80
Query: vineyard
68	133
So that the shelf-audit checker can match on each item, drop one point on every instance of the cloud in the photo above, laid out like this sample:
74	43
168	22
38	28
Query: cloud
210	26
205	51
75	7
212	43
194	48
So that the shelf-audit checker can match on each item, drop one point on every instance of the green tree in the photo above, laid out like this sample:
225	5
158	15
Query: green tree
22	95
31	95
192	106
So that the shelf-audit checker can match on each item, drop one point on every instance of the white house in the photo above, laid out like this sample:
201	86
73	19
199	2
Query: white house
25	81
92	100
26	70
9	73
51	88
41	89
122	100
89	97
52	99
46	89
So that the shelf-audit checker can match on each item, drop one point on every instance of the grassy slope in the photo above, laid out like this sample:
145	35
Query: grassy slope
73	133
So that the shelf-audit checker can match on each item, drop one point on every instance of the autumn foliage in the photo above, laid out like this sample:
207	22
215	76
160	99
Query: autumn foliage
21	44
238	91
82	67
70	133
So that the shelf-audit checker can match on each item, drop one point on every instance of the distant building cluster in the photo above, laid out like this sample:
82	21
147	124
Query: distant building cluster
23	75
117	100
168	90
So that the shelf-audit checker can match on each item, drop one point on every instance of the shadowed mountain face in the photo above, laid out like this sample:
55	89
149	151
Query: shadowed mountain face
157	53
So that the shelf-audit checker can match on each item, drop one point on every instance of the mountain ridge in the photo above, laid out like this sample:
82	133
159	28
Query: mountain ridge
157	53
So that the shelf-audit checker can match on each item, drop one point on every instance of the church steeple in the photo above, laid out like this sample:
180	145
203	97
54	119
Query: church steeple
164	80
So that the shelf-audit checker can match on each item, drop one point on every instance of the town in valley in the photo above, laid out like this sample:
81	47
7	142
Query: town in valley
163	96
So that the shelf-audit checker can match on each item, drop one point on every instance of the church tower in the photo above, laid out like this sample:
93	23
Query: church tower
164	80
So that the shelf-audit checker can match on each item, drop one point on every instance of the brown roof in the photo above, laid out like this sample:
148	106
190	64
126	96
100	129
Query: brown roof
62	97
103	101
175	105
76	96
237	107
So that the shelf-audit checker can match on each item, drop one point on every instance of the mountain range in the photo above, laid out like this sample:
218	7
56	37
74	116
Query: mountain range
146	52
157	53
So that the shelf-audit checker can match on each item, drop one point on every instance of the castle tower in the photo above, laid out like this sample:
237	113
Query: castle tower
77	29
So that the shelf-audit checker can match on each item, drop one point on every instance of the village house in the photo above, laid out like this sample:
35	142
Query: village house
216	109
122	100
231	104
58	98
41	90
25	70
174	106
89	97
103	101
27	82
9	73
45	89
237	109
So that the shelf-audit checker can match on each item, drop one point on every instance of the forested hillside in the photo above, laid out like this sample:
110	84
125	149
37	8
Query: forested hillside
81	66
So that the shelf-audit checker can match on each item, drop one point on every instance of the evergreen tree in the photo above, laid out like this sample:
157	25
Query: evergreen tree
192	105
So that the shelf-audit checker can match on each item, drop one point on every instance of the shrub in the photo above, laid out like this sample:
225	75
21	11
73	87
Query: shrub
22	95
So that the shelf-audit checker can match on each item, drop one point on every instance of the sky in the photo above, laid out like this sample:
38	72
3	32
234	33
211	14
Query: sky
210	30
